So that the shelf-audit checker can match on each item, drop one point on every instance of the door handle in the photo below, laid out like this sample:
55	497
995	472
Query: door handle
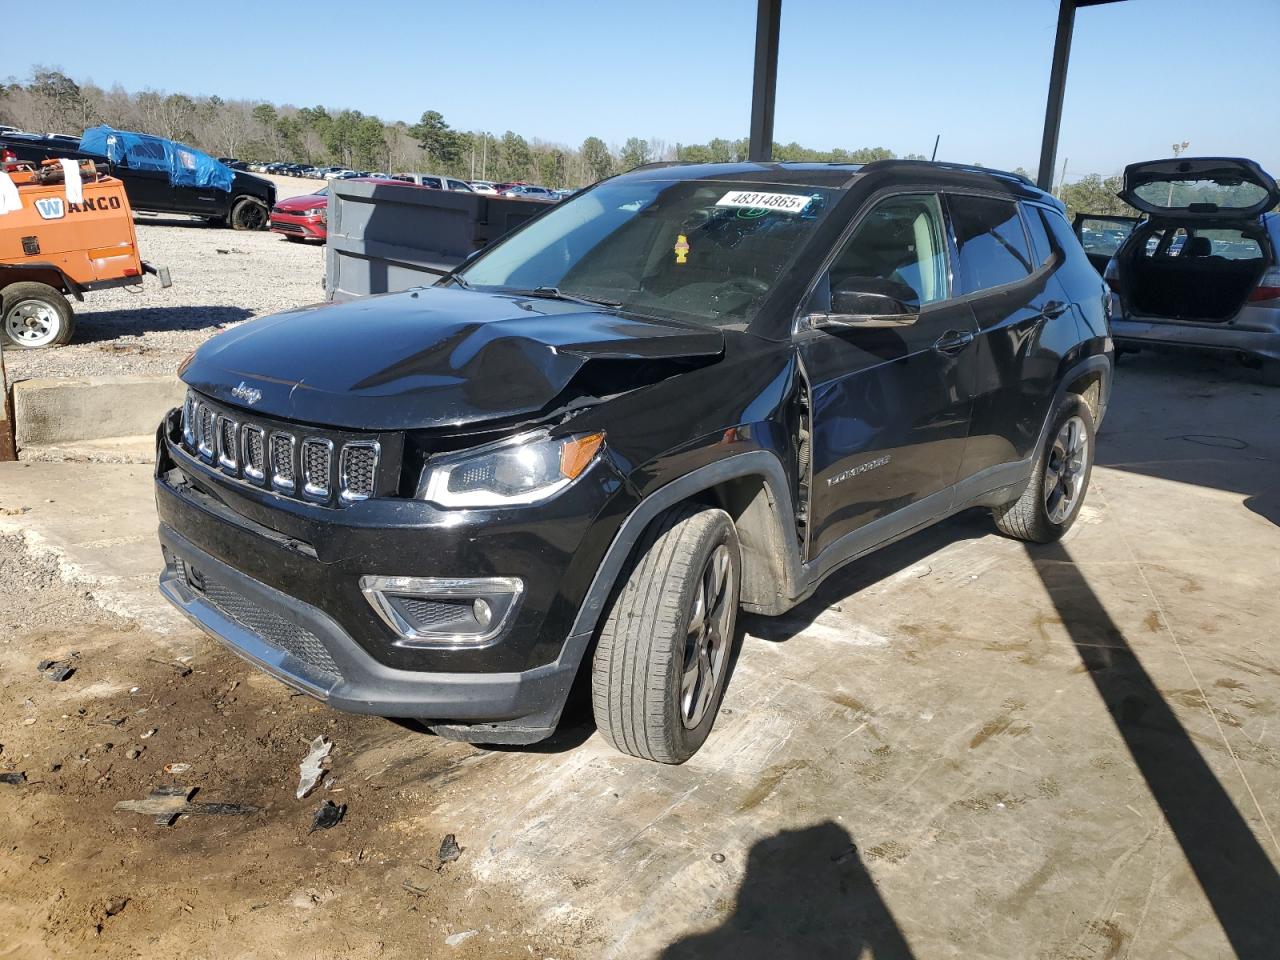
1053	309
953	341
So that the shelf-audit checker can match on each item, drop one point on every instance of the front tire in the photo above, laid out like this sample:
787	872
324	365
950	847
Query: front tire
35	315
1059	479
249	214
664	650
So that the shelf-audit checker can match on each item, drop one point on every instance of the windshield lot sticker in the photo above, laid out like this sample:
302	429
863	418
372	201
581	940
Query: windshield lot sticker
753	200
682	249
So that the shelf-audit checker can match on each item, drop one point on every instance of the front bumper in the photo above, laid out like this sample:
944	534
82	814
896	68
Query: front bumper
308	650
310	228
1220	337
286	590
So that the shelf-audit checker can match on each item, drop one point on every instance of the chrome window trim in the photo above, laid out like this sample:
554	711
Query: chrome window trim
308	488
231	463
248	470
278	482
376	447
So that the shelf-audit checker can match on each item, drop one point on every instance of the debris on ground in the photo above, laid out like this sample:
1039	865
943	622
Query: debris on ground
456	938
147	734
133	753
313	765
848	853
166	803
181	668
176	768
102	911
717	858
14	778
329	814
449	849
60	669
414	888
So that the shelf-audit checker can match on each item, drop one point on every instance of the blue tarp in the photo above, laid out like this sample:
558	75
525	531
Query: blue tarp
186	166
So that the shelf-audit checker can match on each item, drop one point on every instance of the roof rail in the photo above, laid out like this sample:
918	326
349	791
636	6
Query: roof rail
656	164
962	167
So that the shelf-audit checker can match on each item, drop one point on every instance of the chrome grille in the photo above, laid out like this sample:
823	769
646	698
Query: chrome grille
282	462
204	431
279	455
227	431
317	461
358	470
254	453
189	421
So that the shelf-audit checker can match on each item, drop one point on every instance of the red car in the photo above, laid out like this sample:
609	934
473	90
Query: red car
304	217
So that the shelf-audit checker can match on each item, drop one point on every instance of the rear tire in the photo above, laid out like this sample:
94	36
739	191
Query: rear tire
250	213
35	315
664	650
1059	479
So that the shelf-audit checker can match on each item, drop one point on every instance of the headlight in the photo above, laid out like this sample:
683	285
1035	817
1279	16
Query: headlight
522	469
314	212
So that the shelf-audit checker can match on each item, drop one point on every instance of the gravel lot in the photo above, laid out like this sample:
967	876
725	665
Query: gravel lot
221	278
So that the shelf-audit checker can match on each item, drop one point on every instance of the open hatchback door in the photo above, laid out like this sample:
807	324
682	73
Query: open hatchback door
1200	187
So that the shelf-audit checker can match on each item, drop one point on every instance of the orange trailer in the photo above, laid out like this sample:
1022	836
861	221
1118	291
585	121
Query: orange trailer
52	248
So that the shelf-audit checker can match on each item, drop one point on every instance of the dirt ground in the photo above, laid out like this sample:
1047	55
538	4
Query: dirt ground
115	884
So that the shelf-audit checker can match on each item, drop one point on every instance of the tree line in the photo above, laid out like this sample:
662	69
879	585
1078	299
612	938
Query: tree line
51	101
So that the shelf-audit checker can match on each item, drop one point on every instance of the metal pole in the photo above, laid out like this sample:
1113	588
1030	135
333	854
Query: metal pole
1057	88
8	444
765	84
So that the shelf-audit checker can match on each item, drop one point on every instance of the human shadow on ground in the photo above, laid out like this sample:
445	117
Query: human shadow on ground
806	895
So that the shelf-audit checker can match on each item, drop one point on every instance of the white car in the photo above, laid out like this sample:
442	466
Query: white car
484	186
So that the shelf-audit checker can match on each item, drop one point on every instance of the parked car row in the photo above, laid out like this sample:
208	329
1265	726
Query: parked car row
434	181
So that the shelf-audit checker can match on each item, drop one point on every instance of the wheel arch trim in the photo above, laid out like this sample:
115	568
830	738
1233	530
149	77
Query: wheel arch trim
764	527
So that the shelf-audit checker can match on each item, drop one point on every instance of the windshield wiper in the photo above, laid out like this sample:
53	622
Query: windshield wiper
456	278
555	293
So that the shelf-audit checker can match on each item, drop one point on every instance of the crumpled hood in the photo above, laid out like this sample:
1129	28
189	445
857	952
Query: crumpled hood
432	357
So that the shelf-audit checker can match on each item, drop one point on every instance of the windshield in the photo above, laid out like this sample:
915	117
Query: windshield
701	251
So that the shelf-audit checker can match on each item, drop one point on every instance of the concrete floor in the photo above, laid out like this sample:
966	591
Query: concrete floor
961	748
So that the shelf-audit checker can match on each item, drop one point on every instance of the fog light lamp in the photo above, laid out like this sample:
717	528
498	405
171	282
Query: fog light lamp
444	612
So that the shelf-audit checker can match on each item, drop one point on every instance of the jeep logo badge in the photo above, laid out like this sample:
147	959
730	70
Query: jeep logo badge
51	208
248	394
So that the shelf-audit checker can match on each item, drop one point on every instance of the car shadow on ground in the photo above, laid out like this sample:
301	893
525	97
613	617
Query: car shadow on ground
806	894
107	325
869	570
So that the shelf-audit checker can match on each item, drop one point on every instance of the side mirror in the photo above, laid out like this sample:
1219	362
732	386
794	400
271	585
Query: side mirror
868	303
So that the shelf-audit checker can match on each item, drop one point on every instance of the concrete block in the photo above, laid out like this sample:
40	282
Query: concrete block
65	409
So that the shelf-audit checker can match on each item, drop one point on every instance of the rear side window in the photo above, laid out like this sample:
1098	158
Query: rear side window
992	244
1064	238
432	182
1103	235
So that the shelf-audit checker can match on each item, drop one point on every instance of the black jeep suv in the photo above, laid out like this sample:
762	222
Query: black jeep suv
685	391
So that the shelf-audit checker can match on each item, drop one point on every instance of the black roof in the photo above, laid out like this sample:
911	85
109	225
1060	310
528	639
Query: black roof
844	175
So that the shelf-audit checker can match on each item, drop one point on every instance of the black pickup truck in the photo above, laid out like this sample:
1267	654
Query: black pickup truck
246	206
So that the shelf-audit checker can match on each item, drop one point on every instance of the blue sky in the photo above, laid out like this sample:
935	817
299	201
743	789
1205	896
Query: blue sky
1144	73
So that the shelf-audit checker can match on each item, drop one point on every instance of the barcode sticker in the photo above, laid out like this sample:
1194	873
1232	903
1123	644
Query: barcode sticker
750	199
